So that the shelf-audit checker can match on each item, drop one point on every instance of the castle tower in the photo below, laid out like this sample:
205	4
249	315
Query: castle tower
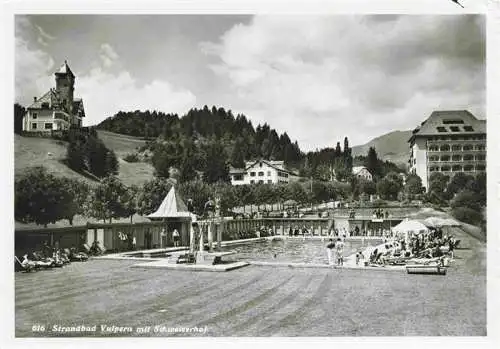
65	86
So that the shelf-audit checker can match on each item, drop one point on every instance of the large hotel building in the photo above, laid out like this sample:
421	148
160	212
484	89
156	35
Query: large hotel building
448	142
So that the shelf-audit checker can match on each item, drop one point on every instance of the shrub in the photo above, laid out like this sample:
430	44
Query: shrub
379	203
467	215
467	198
131	158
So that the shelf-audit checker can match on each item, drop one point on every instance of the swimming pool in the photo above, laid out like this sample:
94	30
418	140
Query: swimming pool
291	250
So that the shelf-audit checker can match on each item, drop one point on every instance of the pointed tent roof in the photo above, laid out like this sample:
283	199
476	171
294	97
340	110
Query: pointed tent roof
171	207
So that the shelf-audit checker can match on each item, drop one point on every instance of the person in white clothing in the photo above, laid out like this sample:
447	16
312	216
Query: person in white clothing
176	237
339	246
330	252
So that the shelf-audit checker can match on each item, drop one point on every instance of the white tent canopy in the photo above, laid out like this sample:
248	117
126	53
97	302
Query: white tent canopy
410	226
171	207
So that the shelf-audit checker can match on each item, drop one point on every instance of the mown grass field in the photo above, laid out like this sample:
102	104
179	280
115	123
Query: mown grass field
30	152
260	301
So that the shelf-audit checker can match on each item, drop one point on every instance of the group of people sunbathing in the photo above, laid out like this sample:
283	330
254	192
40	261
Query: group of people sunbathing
50	257
420	249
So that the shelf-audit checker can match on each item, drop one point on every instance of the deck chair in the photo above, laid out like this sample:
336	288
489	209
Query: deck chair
25	267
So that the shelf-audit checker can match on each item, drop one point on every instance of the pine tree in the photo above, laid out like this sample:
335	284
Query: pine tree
19	112
372	162
111	163
216	168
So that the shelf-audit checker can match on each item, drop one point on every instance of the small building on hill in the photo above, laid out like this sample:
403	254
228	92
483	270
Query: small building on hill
263	172
362	173
57	109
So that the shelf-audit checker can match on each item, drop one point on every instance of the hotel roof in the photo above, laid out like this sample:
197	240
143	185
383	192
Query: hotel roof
449	122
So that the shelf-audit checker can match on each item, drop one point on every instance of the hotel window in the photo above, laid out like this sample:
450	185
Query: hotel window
261	182
481	157
445	147
252	174
434	158
433	148
269	181
467	147
432	169
441	129
480	147
456	158
261	174
453	121
269	173
33	126
445	168
468	129
468	157
480	167
454	129
48	126
468	168
238	177
34	115
456	147
252	181
445	158
456	168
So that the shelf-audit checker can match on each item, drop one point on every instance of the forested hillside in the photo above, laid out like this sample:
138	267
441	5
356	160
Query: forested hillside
206	141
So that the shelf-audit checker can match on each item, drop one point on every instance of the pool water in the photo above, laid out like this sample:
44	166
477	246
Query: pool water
291	250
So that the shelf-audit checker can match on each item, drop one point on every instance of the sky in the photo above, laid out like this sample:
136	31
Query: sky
319	78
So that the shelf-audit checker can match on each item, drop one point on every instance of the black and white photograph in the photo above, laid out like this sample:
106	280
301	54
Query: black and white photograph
249	174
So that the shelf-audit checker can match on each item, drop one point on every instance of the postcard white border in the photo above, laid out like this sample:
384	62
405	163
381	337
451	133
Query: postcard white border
489	7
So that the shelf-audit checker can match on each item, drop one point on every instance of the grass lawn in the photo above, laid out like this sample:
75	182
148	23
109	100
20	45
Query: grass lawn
120	144
260	301
33	151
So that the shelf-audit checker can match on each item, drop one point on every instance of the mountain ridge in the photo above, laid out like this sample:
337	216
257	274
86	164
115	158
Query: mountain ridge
392	146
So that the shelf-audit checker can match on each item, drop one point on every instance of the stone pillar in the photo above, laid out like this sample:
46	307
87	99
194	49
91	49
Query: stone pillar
321	229
220	229
210	236
191	238
201	238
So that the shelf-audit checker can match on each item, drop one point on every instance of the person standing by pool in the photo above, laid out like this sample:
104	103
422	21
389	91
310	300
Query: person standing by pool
176	238
340	251
163	239
329	251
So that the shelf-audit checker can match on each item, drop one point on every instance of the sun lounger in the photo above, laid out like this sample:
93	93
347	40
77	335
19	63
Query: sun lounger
426	269
26	267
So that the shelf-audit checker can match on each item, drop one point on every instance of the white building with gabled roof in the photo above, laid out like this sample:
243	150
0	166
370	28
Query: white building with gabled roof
262	172
362	172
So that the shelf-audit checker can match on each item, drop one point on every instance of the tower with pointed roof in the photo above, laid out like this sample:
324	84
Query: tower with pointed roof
57	109
65	86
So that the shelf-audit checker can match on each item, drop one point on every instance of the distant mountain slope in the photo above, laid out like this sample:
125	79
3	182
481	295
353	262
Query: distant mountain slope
392	146
31	151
